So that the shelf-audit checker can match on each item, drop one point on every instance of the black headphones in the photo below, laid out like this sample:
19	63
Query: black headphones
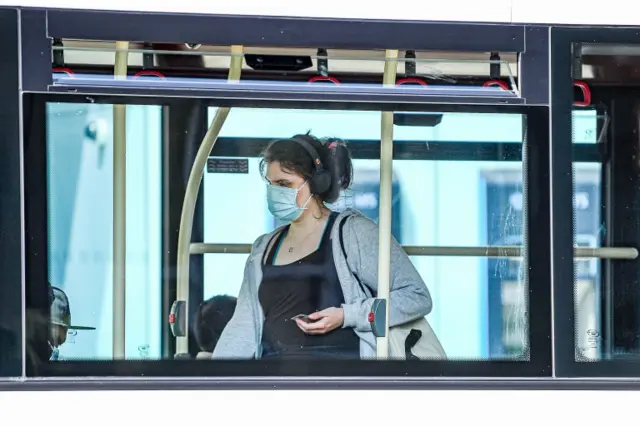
320	177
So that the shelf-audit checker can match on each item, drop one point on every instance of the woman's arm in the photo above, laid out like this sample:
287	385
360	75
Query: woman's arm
409	298
239	337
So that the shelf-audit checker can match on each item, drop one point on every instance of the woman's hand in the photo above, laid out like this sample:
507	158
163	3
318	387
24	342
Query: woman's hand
324	321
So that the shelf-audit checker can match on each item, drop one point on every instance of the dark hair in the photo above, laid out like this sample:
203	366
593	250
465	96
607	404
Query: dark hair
292	156
211	319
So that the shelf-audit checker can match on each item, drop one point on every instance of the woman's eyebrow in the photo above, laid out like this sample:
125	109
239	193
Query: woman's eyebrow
281	180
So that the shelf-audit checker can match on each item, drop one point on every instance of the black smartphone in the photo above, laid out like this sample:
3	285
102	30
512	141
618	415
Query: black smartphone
302	317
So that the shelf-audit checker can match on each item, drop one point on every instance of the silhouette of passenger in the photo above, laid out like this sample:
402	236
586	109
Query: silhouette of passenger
60	320
210	320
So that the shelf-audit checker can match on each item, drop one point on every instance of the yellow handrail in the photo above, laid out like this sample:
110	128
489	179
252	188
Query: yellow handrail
120	208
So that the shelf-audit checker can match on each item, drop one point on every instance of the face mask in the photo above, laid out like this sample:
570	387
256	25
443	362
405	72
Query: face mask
282	202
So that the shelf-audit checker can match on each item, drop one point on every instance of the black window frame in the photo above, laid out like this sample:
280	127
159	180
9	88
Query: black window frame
563	39
539	295
12	358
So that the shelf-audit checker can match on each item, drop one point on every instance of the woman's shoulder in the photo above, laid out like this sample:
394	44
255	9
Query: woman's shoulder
357	223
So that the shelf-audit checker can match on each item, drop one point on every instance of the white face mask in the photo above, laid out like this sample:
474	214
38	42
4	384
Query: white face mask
282	202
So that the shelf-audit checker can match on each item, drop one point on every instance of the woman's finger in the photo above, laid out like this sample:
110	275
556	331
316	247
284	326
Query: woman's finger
302	325
318	315
320	327
316	326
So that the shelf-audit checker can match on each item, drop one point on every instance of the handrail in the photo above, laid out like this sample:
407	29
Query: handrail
191	195
289	91
613	253
385	198
119	266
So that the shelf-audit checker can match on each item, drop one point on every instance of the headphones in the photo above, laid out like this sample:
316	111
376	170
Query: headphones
52	297
320	177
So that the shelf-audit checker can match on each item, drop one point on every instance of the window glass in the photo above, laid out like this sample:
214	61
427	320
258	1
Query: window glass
457	222
479	303
585	126
605	215
589	232
80	183
365	125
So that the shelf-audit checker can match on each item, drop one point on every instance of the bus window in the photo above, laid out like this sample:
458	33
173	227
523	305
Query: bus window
439	199
286	230
80	225
507	301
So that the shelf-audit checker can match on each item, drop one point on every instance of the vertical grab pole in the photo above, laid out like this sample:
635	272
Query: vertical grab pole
384	214
191	195
119	208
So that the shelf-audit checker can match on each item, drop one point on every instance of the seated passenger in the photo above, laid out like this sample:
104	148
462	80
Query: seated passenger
210	320
300	297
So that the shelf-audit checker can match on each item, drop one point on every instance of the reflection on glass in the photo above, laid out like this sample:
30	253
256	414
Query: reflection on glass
584	126
589	231
479	304
80	223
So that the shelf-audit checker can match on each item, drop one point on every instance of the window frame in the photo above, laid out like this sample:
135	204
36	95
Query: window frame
11	200
563	38
539	295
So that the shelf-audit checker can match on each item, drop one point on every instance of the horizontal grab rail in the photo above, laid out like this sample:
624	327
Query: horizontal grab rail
63	78
488	251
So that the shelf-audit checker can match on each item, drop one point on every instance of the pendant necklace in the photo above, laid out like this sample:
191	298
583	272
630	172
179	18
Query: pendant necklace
292	247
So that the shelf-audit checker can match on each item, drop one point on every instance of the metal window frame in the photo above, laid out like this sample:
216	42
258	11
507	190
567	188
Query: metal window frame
539	323
529	41
12	354
561	162
285	31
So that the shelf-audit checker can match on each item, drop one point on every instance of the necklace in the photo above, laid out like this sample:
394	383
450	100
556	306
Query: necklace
293	247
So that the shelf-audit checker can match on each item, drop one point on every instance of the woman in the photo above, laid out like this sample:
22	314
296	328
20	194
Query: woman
300	296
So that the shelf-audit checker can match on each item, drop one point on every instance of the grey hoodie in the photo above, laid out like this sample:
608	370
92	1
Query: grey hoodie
409	296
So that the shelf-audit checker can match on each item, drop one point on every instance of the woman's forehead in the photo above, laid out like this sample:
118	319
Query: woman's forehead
275	172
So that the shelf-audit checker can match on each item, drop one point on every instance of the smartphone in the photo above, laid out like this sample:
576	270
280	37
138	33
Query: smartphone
302	317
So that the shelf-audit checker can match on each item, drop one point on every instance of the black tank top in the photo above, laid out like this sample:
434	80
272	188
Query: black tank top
305	286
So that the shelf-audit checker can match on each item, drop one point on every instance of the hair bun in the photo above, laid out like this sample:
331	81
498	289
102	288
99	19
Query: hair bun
333	143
